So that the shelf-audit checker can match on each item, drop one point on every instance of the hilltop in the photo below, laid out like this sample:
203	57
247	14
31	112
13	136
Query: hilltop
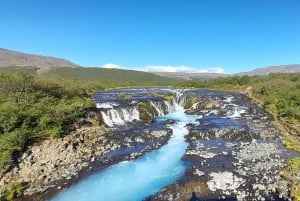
10	58
291	68
12	61
116	75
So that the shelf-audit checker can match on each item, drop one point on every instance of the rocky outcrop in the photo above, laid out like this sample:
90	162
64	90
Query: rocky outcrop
12	58
53	160
53	164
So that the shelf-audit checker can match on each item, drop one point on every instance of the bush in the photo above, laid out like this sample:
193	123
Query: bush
12	191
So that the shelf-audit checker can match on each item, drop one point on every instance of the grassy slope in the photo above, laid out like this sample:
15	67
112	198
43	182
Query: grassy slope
15	69
109	74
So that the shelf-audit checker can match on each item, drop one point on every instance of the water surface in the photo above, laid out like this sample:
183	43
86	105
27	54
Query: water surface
138	179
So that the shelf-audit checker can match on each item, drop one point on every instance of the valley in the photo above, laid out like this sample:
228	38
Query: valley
164	144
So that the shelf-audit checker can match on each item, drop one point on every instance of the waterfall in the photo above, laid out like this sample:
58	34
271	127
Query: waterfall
158	107
113	114
237	112
120	116
135	180
179	99
170	108
106	105
195	105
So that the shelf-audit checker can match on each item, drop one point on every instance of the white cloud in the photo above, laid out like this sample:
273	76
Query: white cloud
110	65
182	69
172	69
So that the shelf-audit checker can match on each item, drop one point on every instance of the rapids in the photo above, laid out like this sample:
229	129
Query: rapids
136	179
222	146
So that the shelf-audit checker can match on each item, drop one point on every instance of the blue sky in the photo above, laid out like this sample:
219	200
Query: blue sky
173	35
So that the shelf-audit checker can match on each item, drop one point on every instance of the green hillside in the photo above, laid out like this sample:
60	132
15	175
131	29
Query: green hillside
14	69
109	74
130	77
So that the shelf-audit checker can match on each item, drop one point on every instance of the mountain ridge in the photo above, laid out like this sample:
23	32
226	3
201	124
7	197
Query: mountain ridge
289	68
14	58
46	64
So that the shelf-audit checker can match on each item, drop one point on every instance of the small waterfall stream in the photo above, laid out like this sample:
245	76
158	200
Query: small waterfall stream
120	116
230	147
135	180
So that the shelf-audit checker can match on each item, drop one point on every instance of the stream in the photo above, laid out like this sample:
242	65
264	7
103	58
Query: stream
220	145
136	179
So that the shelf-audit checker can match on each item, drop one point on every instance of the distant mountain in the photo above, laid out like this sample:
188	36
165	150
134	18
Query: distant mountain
10	58
292	68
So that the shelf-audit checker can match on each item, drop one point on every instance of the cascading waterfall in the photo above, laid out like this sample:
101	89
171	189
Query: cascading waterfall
170	107
120	116
237	112
158	107
113	116
179	99
134	180
213	156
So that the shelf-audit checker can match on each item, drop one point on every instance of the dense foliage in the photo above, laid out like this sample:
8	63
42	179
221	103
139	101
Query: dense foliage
111	74
34	106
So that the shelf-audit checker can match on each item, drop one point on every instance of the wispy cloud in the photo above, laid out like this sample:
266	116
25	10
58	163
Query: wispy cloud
171	69
110	65
182	69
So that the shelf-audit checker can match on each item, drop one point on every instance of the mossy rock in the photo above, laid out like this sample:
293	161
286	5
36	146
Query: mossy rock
289	144
169	98
293	168
147	111
190	102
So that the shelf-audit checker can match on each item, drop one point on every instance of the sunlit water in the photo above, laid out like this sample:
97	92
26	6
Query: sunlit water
135	180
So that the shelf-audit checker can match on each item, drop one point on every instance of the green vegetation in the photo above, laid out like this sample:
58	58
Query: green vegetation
14	69
147	111
111	75
36	107
278	93
125	96
33	107
290	144
169	98
293	168
191	101
12	191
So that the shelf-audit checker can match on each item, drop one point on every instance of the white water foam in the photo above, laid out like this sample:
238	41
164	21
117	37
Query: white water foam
158	108
237	112
228	99
106	105
120	116
135	180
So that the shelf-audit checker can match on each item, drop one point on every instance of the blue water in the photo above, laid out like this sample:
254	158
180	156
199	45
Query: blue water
135	180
